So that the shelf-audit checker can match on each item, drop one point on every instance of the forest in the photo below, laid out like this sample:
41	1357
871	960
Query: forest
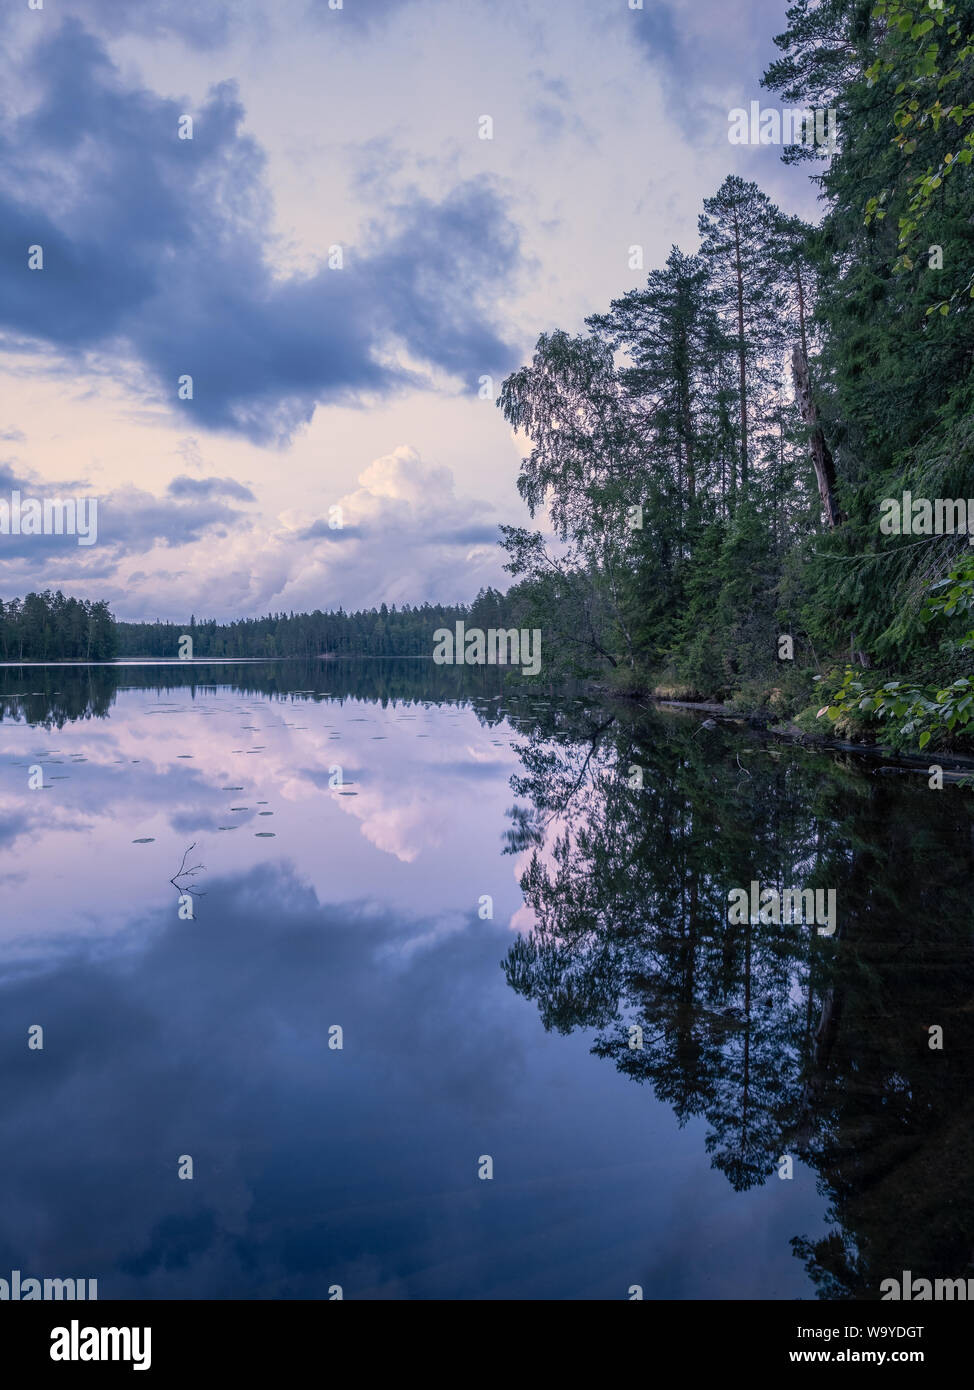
715	449
382	631
50	627
711	461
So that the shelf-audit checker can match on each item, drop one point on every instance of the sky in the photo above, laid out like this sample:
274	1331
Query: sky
341	262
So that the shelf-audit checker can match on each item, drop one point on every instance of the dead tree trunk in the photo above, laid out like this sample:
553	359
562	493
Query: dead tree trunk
822	460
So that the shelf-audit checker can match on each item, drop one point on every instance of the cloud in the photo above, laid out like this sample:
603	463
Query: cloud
467	535
130	520
210	24
405	501
321	531
408	537
275	967
360	15
184	486
204	24
700	72
403	527
158	252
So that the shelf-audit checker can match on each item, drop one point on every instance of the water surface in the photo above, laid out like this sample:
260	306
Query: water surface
529	959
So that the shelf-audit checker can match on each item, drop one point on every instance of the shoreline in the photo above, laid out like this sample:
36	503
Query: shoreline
955	766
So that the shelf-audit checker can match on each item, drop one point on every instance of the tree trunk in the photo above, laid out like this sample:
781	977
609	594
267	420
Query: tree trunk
822	460
801	308
688	441
741	353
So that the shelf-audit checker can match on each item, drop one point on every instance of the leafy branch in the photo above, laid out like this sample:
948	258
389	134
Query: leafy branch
926	711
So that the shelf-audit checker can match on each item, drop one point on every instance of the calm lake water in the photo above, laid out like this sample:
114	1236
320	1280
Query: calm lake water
529	958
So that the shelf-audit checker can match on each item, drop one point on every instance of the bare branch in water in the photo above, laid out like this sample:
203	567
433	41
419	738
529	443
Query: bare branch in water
183	872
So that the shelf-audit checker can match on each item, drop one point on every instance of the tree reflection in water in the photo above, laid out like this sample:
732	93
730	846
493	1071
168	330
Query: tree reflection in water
787	1042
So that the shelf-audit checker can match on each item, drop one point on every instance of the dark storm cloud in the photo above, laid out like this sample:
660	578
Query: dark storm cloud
155	247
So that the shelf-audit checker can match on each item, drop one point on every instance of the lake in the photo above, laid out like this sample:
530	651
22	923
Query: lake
464	1016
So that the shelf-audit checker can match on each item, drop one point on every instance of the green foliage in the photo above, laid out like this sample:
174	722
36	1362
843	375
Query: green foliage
671	467
48	627
673	403
928	53
383	631
922	713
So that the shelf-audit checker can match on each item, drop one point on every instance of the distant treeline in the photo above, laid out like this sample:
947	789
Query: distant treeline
51	627
383	631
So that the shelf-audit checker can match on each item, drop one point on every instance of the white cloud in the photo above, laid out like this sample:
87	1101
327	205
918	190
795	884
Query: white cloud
409	536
